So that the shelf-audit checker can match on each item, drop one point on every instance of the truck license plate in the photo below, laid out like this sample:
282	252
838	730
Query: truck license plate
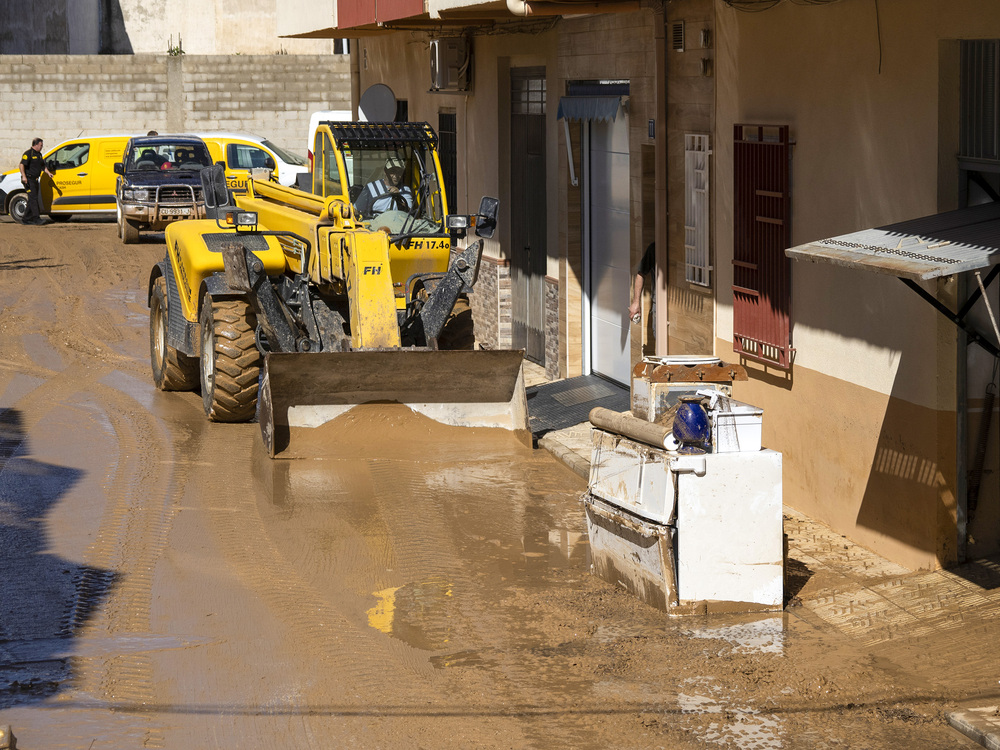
174	211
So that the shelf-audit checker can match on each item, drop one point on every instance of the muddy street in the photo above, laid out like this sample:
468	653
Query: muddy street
164	584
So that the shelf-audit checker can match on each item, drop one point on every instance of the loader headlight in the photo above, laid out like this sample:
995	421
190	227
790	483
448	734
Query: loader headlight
242	219
457	221
133	194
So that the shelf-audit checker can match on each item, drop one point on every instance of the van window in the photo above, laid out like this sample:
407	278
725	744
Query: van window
71	156
242	156
326	174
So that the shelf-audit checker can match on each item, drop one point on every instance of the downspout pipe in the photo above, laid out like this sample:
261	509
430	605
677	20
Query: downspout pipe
523	8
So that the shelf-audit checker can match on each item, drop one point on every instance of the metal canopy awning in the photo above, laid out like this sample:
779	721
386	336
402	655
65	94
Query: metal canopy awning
600	108
917	250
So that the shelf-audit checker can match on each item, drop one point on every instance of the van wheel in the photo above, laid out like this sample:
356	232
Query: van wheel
18	207
230	361
128	231
172	370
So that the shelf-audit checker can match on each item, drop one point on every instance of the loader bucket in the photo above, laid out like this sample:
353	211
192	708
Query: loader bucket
463	388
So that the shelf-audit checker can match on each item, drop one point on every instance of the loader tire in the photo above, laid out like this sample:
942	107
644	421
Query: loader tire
459	331
172	370
230	361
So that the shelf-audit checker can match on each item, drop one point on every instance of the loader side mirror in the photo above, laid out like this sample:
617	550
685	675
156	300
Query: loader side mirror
486	221
213	185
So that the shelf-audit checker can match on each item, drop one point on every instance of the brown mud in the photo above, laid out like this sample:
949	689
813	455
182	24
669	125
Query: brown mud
163	584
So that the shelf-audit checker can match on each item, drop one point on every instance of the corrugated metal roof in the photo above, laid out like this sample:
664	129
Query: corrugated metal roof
918	249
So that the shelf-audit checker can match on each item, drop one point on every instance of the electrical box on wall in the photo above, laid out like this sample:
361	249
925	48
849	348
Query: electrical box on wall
451	64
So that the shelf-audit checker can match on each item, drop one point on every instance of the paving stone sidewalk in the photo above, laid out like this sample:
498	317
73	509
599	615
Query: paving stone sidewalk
877	603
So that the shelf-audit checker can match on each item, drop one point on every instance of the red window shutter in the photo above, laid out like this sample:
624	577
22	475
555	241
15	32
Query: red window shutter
761	229
392	10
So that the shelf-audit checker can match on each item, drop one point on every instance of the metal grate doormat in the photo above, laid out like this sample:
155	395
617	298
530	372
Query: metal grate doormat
564	403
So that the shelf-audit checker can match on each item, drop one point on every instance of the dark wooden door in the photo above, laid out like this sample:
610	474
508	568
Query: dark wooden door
528	211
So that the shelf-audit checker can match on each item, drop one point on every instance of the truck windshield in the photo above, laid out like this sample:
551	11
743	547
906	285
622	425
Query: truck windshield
167	156
396	188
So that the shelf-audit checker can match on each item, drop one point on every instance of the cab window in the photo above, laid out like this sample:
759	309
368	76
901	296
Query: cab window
242	156
326	173
71	156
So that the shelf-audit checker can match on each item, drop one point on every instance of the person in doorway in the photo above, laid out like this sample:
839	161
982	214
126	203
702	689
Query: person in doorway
386	194
32	167
646	267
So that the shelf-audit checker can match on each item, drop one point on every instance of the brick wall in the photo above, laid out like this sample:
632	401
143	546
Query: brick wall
551	328
64	96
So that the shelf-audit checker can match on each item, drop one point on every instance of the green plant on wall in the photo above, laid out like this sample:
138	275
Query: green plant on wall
173	49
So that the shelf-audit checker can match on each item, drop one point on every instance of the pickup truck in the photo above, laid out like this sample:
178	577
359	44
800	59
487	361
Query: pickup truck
159	183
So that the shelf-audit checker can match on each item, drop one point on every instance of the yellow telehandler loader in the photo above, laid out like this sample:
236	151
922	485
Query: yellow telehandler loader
295	305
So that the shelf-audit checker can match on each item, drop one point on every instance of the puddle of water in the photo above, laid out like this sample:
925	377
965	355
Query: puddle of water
766	636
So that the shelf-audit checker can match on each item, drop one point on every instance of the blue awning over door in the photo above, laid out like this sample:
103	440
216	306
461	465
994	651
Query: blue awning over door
600	108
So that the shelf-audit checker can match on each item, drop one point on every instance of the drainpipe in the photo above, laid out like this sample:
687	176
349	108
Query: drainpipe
524	8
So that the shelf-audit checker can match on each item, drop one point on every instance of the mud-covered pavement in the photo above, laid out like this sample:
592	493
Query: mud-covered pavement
163	584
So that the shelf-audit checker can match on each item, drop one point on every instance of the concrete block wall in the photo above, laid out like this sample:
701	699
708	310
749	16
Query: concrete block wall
59	97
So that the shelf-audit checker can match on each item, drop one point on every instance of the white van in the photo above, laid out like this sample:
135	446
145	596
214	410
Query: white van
326	115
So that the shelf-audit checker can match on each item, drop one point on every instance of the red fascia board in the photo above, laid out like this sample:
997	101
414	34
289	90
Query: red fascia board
393	10
352	13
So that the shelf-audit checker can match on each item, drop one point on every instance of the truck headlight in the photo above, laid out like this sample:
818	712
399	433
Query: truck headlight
134	194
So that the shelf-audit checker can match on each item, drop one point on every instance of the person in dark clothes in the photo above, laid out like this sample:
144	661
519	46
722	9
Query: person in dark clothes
32	166
646	267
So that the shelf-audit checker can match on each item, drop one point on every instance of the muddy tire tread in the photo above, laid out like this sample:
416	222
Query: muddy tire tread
237	362
179	372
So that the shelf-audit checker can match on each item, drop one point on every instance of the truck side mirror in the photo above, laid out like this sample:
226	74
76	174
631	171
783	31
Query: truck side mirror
221	163
269	163
486	221
119	168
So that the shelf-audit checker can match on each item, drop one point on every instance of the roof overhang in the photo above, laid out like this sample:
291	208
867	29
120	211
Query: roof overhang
966	240
919	249
458	14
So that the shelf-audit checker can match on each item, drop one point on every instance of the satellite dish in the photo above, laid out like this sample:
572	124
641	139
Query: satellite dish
378	104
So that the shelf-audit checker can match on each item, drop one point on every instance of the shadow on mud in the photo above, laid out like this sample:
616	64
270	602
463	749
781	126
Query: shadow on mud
44	599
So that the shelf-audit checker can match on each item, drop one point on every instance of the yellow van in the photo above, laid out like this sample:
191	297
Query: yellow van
84	181
241	152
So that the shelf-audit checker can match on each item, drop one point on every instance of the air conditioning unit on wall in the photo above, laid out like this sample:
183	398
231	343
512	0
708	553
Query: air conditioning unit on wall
451	64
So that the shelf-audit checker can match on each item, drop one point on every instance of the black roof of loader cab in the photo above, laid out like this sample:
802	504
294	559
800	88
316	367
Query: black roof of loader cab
381	133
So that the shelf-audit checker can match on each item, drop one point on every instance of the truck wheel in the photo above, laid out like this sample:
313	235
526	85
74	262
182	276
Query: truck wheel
172	370
128	231
230	361
18	207
459	331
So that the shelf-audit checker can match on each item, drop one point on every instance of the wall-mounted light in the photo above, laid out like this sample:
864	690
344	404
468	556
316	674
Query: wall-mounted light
706	38
706	66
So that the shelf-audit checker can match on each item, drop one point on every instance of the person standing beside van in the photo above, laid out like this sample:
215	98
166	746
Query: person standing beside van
32	166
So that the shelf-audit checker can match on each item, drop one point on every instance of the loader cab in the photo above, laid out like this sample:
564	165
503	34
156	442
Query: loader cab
389	172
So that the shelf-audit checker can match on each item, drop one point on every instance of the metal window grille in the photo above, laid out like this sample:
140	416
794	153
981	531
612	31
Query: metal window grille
677	36
527	94
980	99
761	233
697	269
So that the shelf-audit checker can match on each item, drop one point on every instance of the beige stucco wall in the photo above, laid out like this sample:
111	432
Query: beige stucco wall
874	377
224	27
616	46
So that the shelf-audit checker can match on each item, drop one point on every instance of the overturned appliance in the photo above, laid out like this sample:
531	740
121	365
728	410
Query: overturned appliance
686	533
